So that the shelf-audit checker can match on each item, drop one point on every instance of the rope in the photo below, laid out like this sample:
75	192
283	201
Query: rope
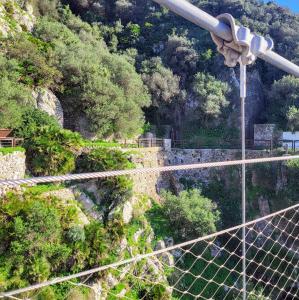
143	256
105	174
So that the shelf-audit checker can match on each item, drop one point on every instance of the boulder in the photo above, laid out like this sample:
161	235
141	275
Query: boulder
127	212
49	103
160	245
111	280
67	194
167	259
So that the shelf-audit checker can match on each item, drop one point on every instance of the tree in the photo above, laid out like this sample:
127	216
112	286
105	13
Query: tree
31	232
293	118
283	101
35	61
101	86
162	83
51	151
190	214
14	96
31	121
180	55
210	94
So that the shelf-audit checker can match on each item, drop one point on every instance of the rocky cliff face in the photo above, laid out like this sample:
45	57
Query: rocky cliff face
254	102
46	101
15	18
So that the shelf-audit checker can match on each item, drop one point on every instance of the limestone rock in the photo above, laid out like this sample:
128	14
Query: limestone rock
111	280
216	250
169	242
25	19
264	207
123	244
14	18
49	103
88	205
167	259
137	234
66	194
127	212
160	245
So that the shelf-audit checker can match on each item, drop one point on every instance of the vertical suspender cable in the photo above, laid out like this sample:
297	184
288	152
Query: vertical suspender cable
243	138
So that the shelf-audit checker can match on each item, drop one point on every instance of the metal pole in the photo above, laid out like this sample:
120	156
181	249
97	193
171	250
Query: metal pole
208	22
243	80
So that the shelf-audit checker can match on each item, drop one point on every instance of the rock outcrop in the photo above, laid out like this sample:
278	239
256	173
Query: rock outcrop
49	103
14	18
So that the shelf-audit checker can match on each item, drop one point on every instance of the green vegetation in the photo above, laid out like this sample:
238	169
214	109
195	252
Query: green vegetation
9	150
41	238
104	86
200	286
211	95
32	231
124	62
190	214
32	120
119	69
14	96
51	151
284	103
186	216
116	190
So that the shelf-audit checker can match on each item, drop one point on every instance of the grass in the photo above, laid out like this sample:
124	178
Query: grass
105	144
10	150
44	188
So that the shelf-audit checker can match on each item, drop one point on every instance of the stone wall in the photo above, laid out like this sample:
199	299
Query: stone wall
148	183
264	133
152	183
12	165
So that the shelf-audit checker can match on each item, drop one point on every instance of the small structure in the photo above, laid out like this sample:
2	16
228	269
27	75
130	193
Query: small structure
265	135
290	140
6	140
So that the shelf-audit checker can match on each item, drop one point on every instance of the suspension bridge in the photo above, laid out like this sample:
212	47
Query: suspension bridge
255	260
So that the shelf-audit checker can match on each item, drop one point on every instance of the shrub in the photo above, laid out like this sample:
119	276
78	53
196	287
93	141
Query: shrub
34	61
13	95
51	151
190	214
115	190
31	232
40	239
75	234
32	120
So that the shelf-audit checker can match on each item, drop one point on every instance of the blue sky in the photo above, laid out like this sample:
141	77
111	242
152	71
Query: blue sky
292	4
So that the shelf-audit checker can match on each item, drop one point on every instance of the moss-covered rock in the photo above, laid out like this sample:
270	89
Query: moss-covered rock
14	18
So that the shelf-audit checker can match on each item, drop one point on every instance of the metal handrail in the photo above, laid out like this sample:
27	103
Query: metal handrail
208	22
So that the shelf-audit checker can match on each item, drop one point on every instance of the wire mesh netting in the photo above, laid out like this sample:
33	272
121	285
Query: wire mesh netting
206	268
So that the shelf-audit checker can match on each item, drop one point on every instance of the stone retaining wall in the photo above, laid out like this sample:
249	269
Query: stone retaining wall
152	183
12	165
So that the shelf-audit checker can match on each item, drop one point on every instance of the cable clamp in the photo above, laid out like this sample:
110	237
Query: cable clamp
245	46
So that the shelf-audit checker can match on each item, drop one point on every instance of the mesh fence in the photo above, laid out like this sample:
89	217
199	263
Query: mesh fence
206	268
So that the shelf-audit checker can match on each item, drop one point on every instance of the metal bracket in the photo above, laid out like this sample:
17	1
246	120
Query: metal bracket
245	46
